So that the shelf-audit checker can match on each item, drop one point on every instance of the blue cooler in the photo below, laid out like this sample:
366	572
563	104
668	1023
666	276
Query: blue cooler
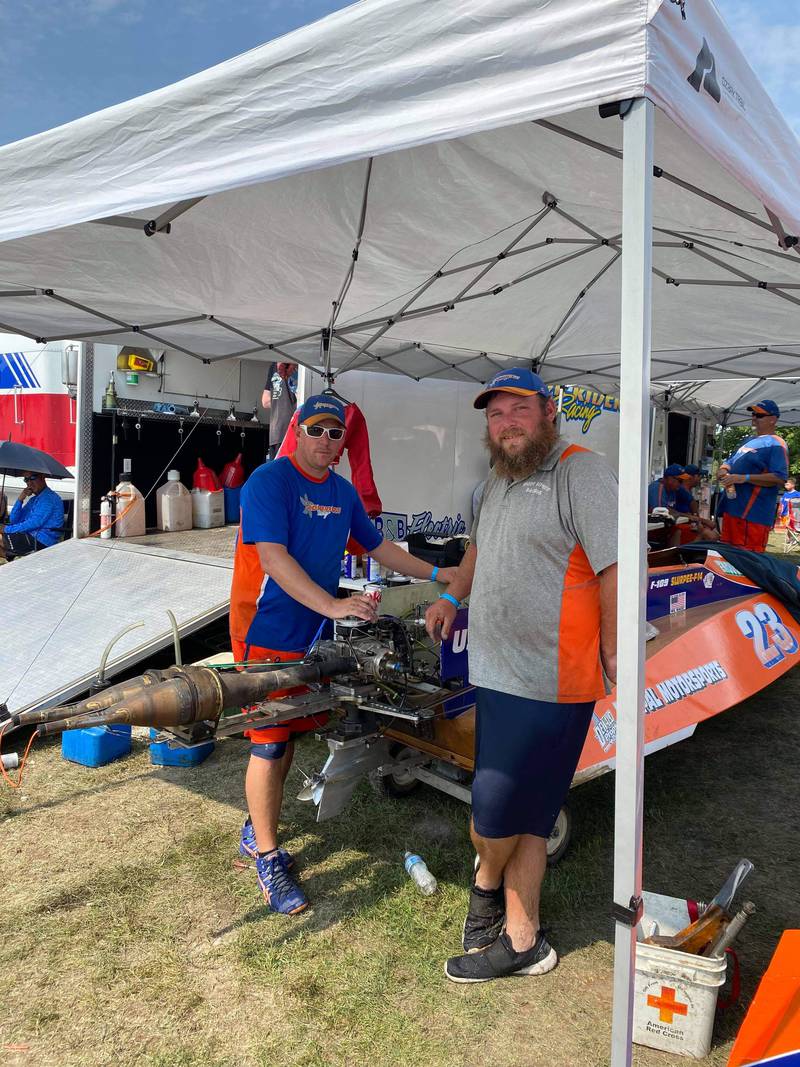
95	746
232	504
161	755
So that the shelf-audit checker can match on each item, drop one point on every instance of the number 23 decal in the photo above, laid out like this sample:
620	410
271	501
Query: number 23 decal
772	640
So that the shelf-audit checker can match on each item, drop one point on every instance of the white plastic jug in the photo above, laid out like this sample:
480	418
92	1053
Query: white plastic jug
130	509
173	505
208	508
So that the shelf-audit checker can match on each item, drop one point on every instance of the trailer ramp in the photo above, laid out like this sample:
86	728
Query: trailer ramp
62	606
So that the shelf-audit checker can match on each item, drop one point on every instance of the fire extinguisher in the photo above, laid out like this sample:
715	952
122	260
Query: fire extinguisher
105	517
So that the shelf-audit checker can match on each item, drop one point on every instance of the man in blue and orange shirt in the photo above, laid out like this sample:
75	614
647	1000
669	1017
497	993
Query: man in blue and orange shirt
755	472
668	492
297	516
786	508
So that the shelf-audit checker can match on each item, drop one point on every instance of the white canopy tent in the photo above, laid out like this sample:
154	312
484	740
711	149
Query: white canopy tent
728	398
430	190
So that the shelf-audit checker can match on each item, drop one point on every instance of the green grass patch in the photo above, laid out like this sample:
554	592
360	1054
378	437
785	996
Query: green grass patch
131	935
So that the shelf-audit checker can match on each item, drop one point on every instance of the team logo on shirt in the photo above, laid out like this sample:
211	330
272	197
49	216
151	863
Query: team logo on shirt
322	511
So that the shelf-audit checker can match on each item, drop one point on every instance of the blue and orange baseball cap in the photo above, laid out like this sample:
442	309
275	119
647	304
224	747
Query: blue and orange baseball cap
674	470
765	407
516	380
322	406
691	469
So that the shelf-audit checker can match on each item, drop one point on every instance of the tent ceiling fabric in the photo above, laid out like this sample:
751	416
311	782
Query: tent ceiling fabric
728	398
459	148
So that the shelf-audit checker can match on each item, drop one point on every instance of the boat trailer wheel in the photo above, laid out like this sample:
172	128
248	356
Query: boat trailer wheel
401	782
558	842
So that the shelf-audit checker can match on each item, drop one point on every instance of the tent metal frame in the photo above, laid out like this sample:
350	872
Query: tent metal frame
363	352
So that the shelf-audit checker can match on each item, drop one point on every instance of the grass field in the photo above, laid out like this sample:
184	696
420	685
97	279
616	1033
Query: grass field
130	935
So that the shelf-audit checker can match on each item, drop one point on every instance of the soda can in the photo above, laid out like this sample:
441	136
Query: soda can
373	592
349	565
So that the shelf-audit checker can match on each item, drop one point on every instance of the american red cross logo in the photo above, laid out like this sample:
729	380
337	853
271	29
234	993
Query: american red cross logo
667	1005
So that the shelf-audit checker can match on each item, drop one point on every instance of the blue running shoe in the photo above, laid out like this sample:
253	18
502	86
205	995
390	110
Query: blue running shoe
248	847
280	890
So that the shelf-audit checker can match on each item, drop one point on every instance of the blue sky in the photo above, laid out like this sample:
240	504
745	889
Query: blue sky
66	58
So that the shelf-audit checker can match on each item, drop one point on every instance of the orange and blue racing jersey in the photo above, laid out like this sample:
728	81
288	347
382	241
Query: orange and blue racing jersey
658	496
281	504
765	454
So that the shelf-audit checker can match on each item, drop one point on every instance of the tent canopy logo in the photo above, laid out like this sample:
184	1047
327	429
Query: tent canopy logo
705	73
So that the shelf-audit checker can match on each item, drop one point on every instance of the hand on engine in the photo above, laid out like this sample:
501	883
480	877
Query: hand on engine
439	618
363	607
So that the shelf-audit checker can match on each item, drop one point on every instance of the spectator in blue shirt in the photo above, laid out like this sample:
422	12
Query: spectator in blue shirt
787	498
667	492
751	478
36	520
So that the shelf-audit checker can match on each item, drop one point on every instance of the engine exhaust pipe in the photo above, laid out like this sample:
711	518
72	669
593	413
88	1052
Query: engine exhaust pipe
195	694
115	694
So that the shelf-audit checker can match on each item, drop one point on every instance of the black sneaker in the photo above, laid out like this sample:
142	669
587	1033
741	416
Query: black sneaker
500	960
484	921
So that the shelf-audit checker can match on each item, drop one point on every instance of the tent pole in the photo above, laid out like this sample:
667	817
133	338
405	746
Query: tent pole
81	508
637	257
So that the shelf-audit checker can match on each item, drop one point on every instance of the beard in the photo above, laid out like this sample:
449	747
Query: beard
522	464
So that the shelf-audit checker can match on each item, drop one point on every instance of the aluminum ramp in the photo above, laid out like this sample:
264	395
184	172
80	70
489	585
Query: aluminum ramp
63	605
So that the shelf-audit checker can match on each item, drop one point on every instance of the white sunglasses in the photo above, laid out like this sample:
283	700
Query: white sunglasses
335	433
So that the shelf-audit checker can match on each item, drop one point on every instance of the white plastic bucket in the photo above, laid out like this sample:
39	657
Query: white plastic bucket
675	993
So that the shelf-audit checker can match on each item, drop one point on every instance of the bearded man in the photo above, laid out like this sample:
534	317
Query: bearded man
541	572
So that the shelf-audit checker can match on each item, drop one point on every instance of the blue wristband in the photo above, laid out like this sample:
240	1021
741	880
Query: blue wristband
747	477
434	572
452	599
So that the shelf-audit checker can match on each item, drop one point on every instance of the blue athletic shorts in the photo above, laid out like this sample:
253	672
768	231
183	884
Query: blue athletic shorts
526	752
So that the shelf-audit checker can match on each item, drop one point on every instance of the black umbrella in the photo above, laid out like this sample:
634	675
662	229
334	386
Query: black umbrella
16	458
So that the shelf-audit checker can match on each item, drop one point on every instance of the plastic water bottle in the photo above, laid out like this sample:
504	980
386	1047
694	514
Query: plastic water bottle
417	870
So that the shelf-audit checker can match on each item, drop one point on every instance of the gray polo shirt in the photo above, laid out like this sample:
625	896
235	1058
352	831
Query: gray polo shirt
534	614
